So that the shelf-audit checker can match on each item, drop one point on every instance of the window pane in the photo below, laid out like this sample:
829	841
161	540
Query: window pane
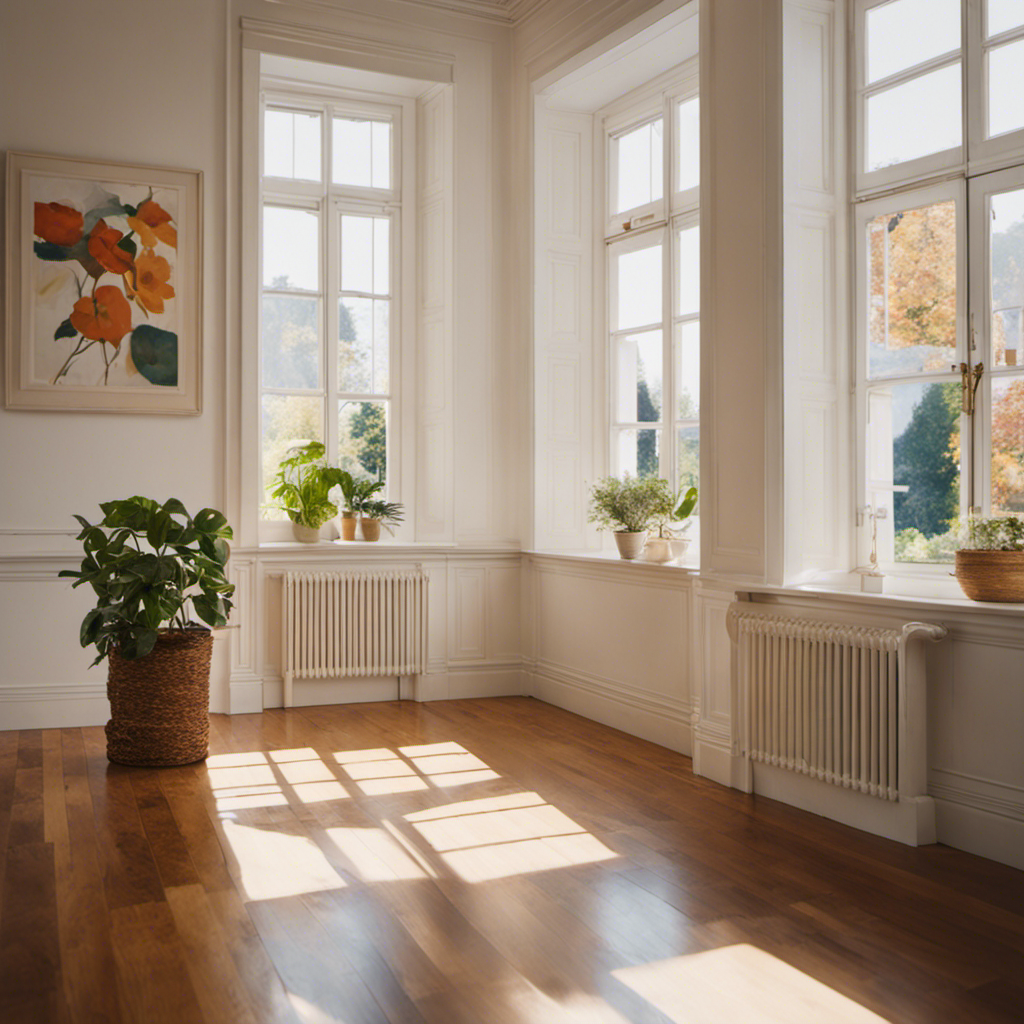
688	156
1005	88
291	249
639	164
1007	445
912	290
363	345
1007	255
291	342
914	119
907	32
639	288
688	268
639	362
288	421
688	370
362	153
1003	15
291	145
362	438
638	452
365	254
914	442
688	457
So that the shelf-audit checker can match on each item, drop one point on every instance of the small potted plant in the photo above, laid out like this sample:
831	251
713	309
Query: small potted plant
355	494
302	488
672	520
990	559
376	513
146	563
627	506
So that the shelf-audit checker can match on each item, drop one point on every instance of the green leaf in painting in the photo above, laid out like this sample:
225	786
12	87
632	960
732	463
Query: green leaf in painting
51	251
128	245
64	331
155	354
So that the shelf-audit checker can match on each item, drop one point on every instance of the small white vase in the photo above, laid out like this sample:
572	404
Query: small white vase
630	545
658	550
679	546
305	534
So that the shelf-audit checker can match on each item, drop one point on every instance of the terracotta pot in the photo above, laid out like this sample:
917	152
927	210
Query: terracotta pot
305	534
369	528
630	545
348	527
991	575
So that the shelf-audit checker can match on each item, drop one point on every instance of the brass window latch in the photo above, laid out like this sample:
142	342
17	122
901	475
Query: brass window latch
970	378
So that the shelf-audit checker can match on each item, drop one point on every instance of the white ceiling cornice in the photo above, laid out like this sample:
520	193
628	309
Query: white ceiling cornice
501	12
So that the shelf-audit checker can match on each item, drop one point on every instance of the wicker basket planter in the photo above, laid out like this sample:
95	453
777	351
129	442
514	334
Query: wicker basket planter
159	704
991	575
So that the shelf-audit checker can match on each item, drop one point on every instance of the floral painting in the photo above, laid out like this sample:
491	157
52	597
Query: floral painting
108	289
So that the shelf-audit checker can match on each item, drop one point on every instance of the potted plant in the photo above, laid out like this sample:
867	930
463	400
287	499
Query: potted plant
675	509
302	488
355	494
627	507
990	559
377	513
146	563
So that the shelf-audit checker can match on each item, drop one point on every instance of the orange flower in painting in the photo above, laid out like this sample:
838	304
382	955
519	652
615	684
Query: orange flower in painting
104	249
152	223
151	276
61	225
103	317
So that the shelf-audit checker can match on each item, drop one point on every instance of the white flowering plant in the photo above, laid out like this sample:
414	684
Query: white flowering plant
996	533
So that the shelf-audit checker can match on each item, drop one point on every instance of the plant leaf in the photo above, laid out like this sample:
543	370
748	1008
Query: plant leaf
155	354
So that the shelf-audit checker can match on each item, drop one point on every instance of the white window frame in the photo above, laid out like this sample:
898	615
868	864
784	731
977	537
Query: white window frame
332	202
969	173
628	230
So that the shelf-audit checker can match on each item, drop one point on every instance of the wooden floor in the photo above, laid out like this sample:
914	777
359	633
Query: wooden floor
469	862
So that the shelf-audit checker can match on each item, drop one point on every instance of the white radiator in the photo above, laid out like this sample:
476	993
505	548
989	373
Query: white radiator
336	624
842	703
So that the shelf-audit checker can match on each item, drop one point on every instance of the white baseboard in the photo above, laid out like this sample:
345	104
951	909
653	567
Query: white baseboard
715	761
650	717
463	682
61	706
978	831
906	821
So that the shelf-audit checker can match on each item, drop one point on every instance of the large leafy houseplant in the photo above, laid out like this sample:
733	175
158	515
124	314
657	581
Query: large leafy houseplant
303	486
630	504
147	563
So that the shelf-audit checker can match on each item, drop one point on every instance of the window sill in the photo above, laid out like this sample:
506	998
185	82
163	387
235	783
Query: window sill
605	557
853	595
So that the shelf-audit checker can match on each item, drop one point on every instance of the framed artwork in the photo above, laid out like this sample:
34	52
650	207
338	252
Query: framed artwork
104	280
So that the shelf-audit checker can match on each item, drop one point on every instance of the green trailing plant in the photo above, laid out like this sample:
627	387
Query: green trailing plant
1005	533
388	513
146	563
303	486
631	504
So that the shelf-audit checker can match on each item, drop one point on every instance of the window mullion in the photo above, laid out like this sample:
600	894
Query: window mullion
332	275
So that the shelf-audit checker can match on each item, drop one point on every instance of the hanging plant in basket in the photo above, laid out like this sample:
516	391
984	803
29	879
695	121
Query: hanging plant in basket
147	563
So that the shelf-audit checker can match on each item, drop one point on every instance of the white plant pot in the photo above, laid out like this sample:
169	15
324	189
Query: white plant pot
658	549
306	534
679	546
630	545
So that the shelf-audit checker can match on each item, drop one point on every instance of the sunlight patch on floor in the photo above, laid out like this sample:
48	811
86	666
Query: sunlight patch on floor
740	985
274	864
497	837
374	855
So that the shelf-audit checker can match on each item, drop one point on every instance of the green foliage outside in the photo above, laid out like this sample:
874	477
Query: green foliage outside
140	592
647	440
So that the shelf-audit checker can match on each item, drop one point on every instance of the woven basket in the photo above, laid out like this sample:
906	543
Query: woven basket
991	575
159	704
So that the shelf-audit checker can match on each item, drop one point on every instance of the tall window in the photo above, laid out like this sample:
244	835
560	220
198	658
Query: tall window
653	284
331	202
939	228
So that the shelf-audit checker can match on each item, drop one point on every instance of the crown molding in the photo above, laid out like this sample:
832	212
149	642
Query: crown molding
500	12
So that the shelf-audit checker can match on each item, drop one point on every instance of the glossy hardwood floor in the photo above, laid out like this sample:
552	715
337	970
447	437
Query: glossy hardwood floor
469	862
